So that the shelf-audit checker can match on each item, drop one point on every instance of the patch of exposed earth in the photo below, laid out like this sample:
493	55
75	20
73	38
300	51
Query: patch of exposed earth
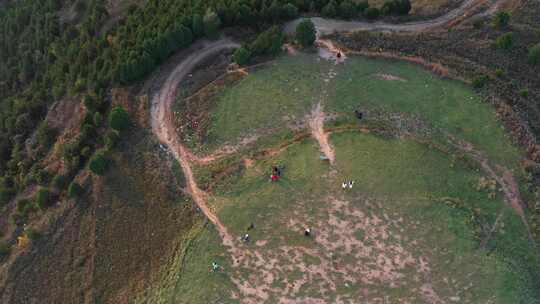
354	254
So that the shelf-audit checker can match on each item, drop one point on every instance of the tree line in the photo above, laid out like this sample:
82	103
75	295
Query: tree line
45	57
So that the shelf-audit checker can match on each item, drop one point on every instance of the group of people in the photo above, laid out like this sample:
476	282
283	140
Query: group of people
347	184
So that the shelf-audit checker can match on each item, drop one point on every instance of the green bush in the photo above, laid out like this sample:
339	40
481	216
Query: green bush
88	132
111	139
290	11
43	177
347	9
478	23
46	135
268	42
211	24
32	234
197	26
5	249
43	198
86	152
119	119
534	54
59	182
330	9
98	164
372	13
480	81
306	34
24	207
499	73
75	190
501	19
362	6
98	119
396	7
242	56
524	93
505	41
6	194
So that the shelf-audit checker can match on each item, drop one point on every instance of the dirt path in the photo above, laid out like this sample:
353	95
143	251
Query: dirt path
328	26
316	124
163	127
504	178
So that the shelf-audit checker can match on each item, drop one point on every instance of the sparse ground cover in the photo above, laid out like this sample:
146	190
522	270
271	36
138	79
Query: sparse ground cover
420	224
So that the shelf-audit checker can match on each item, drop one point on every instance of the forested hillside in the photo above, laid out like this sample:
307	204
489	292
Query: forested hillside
55	48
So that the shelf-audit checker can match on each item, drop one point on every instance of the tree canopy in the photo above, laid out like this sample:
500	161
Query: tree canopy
306	34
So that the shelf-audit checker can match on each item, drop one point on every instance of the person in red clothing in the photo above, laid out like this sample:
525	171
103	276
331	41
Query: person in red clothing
276	173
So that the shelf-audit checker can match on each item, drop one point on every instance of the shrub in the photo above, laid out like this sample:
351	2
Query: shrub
46	135
306	34
88	132
499	73
396	7
478	23
524	93
59	182
86	152
290	11
98	119
372	13
119	119
534	54
211	24
480	81
24	206
330	10
98	164
90	103
268	42
75	190
111	139
242	56
197	26
43	198
501	19
5	249
403	7
389	7
32	234
362	6
347	9
6	194
43	177
505	41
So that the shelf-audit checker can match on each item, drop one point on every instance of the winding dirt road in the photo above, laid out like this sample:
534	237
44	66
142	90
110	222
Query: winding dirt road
163	126
465	10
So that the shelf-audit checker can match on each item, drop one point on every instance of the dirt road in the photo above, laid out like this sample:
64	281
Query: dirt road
163	127
327	26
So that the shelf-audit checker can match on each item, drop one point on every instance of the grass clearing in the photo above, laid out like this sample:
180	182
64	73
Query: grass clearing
415	227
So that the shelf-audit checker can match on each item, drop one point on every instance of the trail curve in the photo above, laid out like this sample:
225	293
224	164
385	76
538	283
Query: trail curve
163	126
327	26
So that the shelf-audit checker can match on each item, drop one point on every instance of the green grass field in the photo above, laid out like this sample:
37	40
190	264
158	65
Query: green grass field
414	228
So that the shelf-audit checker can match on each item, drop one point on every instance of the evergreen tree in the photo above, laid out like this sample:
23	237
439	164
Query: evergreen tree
330	10
197	26
306	33
211	24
